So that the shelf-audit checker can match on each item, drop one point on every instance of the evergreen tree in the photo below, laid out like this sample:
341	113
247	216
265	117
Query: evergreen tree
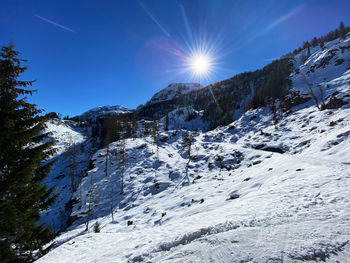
97	227
134	126
128	129
341	30
308	52
314	42
322	45
23	165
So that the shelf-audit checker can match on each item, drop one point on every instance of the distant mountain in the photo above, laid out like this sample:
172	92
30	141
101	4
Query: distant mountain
103	111
174	90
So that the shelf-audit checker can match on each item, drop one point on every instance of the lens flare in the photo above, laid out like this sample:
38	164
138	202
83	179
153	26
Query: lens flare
200	64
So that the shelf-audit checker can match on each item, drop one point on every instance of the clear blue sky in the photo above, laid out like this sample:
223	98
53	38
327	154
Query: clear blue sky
85	54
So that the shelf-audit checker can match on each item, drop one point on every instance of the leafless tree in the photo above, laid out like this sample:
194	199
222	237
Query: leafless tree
122	161
155	135
73	164
311	92
90	194
187	146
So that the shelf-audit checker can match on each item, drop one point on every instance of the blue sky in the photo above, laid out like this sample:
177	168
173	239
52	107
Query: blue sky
85	54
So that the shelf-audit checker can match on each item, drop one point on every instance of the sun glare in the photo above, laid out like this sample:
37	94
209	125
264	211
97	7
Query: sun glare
200	64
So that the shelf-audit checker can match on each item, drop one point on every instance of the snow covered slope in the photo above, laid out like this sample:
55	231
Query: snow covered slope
269	187
237	204
326	72
185	118
69	140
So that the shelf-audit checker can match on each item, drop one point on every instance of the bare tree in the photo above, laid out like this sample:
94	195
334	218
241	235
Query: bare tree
155	135
323	104
90	194
111	200
166	128
107	160
122	161
73	164
187	146
311	92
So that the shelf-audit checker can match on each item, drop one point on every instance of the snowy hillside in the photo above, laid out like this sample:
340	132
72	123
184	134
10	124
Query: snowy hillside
237	204
326	72
174	90
64	133
71	143
185	118
273	186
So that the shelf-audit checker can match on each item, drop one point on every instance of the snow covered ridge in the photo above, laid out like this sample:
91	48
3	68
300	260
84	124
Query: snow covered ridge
104	111
174	90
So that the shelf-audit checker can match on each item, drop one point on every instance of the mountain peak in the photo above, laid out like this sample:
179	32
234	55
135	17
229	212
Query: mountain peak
104	111
174	90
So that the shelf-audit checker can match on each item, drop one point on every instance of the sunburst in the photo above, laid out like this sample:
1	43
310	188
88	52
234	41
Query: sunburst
200	64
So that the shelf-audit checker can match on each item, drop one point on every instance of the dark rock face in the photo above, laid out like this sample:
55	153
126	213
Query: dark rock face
264	147
334	102
292	99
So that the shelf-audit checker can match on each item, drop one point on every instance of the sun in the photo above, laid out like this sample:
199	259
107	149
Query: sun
200	64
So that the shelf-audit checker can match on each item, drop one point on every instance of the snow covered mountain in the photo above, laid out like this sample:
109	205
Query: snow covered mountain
272	186
174	90
167	100
103	111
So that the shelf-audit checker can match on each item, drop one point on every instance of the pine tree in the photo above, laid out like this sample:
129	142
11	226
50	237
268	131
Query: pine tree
134	126
314	42
97	227
23	165
341	30
322	45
